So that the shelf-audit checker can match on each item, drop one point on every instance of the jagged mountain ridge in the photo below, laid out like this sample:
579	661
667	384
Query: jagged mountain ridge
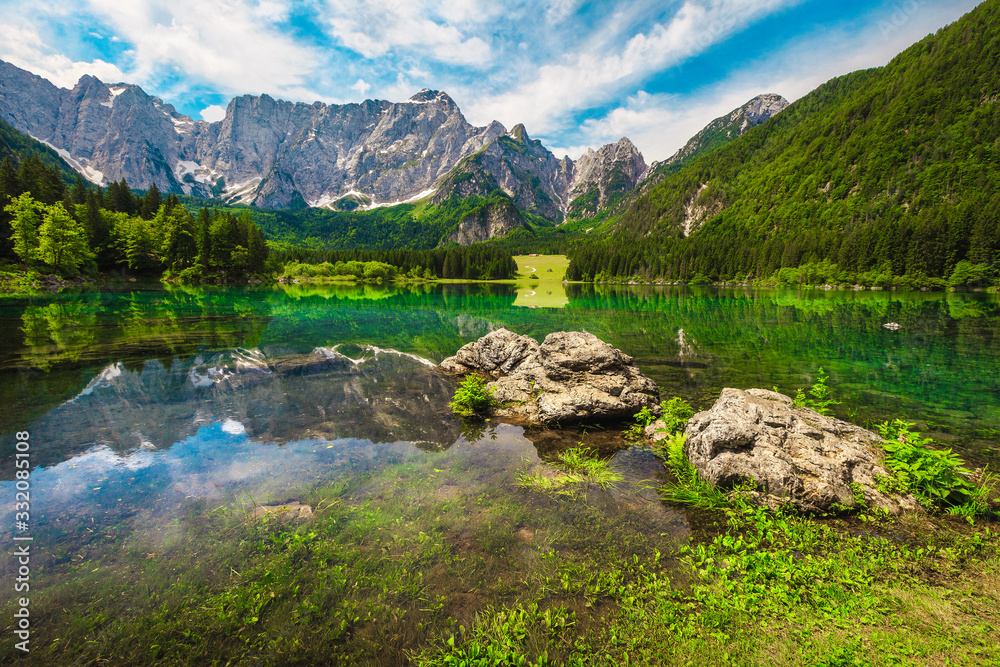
277	154
603	176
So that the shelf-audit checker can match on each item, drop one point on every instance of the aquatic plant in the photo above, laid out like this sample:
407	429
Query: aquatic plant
643	418
689	488
472	398
675	414
820	396
577	466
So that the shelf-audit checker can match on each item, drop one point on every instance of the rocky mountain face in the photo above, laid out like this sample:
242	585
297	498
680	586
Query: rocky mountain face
265	151
604	175
521	167
278	154
487	222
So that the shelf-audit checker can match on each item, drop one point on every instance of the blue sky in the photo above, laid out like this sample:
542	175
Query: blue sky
578	74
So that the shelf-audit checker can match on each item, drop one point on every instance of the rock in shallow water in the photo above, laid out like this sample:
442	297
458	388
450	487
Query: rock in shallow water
795	455
571	377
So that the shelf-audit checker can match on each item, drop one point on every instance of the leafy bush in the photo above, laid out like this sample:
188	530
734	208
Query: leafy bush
820	396
676	413
473	398
935	476
643	418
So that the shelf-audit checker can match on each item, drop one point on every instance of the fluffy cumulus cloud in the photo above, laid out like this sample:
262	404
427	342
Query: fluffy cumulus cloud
236	46
213	113
380	27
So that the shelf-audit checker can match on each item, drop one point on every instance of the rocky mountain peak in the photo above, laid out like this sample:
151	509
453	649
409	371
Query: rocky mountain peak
519	134
758	110
428	96
604	175
726	128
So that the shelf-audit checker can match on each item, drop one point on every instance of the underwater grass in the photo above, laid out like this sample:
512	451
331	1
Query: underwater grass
577	467
391	560
771	589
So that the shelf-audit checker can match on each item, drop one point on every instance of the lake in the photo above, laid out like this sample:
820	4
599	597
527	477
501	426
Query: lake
161	417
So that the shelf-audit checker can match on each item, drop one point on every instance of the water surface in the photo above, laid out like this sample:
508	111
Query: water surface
151	409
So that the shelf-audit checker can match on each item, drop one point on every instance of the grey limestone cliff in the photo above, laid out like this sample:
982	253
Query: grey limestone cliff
602	176
276	154
268	152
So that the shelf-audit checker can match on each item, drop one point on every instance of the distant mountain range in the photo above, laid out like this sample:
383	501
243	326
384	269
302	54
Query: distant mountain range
276	154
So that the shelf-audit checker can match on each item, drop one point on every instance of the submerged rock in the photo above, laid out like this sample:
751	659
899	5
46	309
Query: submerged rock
571	377
290	511
794	455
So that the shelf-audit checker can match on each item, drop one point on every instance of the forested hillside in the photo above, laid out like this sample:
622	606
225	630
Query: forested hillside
16	147
419	226
882	173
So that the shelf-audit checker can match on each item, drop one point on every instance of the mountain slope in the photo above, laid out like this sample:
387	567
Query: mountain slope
16	146
892	169
724	129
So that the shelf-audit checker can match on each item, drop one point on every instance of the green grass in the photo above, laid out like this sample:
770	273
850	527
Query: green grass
575	468
539	281
542	265
393	570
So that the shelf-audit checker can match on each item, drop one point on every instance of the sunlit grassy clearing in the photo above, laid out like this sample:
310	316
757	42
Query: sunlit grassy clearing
542	264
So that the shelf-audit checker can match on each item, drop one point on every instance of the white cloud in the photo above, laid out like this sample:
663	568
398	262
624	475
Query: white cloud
24	48
361	86
378	27
591	76
558	10
232	45
213	113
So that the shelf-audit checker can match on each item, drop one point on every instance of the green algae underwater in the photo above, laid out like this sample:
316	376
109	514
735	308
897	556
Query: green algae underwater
161	419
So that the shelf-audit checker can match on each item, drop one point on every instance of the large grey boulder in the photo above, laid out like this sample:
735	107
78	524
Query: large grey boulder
572	376
796	456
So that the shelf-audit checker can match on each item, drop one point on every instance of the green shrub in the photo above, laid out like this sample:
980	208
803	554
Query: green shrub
643	418
676	413
820	396
935	476
473	398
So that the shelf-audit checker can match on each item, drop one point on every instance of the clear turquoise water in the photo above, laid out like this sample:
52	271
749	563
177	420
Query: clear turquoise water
152	410
941	369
